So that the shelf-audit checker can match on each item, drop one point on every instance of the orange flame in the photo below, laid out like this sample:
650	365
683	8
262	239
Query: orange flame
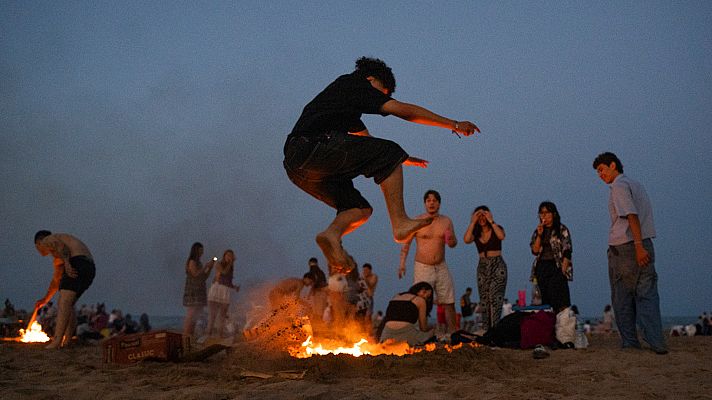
34	334
308	348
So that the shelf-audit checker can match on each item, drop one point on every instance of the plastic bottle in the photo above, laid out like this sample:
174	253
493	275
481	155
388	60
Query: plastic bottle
536	293
581	341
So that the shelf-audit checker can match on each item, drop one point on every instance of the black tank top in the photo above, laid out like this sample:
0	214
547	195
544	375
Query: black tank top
493	244
402	310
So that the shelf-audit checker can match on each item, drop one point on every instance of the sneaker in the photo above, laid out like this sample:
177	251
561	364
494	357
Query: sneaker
444	338
540	352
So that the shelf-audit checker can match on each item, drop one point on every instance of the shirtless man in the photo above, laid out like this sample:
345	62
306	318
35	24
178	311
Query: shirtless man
371	280
73	273
329	146
430	263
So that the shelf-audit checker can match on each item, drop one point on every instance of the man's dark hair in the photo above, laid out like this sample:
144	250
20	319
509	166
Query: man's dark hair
310	276
607	158
434	193
313	260
41	235
367	265
378	69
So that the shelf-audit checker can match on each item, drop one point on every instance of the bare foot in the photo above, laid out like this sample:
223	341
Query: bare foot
405	231
54	344
351	264
335	254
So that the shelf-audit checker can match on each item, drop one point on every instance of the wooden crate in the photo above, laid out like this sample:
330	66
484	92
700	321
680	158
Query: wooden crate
157	345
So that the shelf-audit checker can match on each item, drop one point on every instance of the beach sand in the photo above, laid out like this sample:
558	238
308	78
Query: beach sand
603	371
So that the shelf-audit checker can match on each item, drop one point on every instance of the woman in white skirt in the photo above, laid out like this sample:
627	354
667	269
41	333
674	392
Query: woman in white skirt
219	293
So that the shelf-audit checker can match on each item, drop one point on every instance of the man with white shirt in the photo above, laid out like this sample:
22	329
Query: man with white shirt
631	257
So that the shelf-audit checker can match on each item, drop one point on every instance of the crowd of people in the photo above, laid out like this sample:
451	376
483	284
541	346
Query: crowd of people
702	327
92	324
327	148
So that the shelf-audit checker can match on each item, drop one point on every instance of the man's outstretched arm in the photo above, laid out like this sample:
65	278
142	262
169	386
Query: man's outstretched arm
53	285
405	248
423	116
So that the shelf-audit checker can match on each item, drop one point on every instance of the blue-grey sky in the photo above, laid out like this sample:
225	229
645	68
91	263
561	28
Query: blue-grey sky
141	127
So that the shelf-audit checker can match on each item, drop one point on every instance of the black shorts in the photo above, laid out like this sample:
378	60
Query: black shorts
85	275
325	165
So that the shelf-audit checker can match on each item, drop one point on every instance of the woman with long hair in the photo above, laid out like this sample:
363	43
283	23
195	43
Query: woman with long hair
406	317
219	294
195	293
491	268
552	268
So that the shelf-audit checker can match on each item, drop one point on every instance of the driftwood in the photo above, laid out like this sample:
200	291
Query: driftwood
291	374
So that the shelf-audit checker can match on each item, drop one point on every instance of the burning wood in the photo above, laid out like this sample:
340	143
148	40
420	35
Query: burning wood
287	326
363	347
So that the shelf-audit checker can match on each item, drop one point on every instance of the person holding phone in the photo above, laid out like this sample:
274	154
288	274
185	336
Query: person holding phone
219	293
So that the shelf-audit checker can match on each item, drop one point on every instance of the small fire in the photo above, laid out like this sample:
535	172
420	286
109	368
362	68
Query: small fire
309	349
34	334
363	347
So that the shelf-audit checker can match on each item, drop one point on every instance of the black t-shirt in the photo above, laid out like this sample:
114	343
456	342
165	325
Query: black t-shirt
339	107
319	277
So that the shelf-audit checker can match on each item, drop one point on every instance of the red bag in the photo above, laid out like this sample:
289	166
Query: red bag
537	328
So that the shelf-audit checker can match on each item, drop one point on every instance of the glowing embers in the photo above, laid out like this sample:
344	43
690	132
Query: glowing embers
34	334
308	348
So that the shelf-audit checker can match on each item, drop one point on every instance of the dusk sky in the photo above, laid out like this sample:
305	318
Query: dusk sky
141	127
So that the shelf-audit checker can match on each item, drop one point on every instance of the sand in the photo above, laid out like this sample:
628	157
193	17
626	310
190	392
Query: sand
603	371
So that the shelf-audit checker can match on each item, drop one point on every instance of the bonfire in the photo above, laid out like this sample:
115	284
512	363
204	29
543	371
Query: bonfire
289	327
34	334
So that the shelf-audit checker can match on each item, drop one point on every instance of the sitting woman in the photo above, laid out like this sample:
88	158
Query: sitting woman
406	317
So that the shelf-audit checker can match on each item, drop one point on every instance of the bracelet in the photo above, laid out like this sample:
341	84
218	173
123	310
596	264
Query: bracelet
454	130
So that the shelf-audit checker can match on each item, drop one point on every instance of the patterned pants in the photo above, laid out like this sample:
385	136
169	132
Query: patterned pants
491	283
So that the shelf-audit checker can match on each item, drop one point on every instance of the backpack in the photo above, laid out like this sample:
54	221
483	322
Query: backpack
537	328
506	333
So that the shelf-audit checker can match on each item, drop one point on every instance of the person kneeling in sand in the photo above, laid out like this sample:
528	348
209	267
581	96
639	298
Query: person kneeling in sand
74	272
407	316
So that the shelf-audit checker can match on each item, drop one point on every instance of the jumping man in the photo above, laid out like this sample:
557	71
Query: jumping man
329	146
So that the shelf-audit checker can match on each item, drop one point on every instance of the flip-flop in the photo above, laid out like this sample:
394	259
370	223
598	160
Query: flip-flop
540	352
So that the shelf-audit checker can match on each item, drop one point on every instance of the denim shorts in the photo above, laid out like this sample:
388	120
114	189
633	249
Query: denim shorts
325	165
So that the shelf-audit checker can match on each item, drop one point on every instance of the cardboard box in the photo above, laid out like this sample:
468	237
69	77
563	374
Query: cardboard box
157	345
